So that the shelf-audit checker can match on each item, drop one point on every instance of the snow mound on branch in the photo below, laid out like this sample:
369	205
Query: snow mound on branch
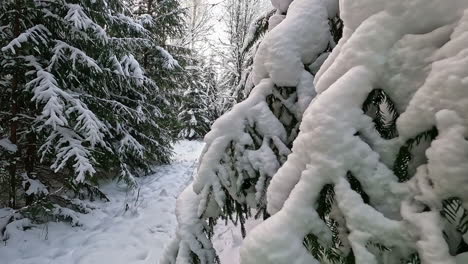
231	128
247	146
296	41
448	156
417	53
281	5
187	216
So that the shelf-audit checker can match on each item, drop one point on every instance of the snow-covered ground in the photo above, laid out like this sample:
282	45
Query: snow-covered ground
110	233
228	239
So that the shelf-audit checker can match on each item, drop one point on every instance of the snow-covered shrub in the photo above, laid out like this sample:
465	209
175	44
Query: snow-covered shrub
378	173
250	143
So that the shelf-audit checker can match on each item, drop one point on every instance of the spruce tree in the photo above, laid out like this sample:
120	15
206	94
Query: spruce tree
75	101
163	60
250	143
176	68
378	171
198	109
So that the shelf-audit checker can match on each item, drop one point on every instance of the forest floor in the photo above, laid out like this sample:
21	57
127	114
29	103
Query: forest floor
132	228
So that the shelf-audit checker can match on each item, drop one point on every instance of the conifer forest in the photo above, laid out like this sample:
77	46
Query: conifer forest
233	132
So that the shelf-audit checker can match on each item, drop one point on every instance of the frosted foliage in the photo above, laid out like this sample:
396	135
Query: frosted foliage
37	34
416	53
190	235
230	129
248	145
169	61
77	55
66	141
80	20
282	55
33	186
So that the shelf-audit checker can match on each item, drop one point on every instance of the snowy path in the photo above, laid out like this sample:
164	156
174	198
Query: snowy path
111	234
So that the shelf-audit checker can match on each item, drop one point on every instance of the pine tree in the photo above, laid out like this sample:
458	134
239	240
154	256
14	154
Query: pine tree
250	143
199	110
378	171
76	103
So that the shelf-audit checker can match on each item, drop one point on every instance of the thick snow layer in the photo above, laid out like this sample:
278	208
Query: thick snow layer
462	258
326	149
228	240
247	145
297	40
109	233
417	53
180	249
281	5
212	174
275	20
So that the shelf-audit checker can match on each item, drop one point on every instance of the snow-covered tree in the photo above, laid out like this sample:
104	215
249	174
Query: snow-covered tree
236	85
378	173
75	102
199	109
199	21
176	67
164	61
245	23
250	143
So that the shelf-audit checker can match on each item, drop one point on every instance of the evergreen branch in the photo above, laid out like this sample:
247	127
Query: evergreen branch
404	156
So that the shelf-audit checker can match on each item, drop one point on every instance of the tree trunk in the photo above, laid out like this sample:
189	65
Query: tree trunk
29	163
14	140
14	120
149	4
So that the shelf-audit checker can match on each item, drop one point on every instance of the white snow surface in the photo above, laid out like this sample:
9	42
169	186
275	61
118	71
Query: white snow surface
228	240
109	233
251	141
281	5
416	51
296	41
6	144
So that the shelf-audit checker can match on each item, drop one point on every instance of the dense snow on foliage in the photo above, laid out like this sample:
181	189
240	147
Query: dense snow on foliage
372	191
249	144
346	139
